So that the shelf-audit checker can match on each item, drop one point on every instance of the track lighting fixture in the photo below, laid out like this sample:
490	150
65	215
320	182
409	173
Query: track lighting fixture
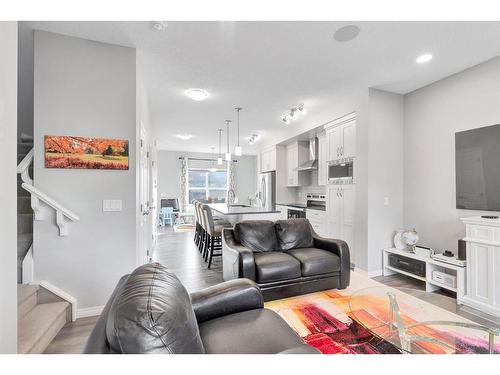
293	114
253	139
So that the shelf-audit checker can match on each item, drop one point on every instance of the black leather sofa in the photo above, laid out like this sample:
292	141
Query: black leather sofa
150	311
285	258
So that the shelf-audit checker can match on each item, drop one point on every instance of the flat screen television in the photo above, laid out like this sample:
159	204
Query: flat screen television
477	167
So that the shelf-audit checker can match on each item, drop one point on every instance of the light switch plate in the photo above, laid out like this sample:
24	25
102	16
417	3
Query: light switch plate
386	201
111	205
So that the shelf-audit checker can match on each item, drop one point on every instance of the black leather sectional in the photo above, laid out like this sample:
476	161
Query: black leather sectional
285	258
150	311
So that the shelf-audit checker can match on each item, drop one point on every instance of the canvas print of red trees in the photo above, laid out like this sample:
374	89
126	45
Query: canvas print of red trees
85	153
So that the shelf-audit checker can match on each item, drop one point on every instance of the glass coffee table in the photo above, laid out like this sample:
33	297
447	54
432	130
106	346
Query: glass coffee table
402	318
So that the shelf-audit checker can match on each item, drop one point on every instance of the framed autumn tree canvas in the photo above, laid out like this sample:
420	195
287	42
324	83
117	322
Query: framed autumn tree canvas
85	153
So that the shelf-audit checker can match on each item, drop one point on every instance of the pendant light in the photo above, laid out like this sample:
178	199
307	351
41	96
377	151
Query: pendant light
213	167
228	153
238	150
219	156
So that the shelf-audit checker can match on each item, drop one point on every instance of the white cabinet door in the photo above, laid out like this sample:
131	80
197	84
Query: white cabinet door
292	163
334	139
348	135
322	160
272	159
347	196
479	286
268	160
333	203
264	156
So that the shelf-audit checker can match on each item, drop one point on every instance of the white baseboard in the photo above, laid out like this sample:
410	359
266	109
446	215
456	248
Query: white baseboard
89	311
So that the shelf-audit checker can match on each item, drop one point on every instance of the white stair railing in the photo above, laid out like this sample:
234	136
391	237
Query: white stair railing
63	215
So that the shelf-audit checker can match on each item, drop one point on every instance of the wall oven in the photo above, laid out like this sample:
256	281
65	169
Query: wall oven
341	172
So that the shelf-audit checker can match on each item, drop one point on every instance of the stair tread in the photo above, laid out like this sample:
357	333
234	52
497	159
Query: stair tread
37	322
24	291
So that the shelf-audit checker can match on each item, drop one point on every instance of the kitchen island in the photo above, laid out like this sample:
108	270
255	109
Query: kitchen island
236	213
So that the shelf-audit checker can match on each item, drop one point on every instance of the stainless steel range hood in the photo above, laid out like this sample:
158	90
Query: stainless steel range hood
312	163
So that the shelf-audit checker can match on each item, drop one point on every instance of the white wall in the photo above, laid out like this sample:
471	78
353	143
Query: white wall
169	170
385	173
433	114
8	187
85	88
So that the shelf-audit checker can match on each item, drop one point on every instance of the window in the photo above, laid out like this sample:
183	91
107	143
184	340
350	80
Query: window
207	186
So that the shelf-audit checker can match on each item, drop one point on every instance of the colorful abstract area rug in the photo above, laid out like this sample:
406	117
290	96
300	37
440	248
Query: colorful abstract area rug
334	323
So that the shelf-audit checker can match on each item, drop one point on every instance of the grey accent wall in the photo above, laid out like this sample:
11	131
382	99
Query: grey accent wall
467	100
85	88
385	173
169	169
8	188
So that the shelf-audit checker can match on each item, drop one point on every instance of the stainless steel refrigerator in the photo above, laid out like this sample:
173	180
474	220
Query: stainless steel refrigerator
267	189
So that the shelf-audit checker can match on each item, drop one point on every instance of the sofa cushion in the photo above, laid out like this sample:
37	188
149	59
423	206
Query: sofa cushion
152	313
294	234
259	331
315	261
257	235
276	265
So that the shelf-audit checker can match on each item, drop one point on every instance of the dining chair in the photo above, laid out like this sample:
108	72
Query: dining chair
167	216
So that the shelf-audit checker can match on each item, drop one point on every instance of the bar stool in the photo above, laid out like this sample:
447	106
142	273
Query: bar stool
197	226
213	230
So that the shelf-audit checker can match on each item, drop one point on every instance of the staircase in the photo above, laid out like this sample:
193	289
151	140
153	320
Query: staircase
42	311
24	211
41	315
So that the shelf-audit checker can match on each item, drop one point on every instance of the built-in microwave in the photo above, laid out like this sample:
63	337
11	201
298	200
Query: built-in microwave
341	172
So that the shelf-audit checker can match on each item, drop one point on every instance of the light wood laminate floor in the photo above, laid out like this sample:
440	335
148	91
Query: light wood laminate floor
178	252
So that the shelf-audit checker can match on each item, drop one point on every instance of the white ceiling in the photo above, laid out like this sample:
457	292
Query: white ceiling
268	67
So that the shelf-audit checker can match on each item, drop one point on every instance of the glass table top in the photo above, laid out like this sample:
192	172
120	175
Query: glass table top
402	318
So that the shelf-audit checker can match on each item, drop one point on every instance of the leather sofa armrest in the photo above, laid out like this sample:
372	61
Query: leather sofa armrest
229	297
237	260
302	349
97	343
339	248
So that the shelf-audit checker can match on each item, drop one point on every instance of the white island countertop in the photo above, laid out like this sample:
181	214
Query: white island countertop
236	209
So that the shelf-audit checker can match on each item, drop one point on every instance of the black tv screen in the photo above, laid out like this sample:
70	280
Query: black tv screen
477	163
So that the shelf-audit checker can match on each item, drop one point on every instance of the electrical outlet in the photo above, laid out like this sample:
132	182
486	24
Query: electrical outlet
386	201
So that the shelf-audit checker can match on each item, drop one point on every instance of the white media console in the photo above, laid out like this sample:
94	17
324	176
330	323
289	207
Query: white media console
431	285
483	264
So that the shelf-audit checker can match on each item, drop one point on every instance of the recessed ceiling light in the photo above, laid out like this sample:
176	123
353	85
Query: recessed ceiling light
160	25
197	94
184	137
346	33
424	58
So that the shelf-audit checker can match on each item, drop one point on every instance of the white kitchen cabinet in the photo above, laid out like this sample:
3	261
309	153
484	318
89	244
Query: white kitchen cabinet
296	154
322	160
341	138
340	201
483	264
268	160
334	143
317	219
